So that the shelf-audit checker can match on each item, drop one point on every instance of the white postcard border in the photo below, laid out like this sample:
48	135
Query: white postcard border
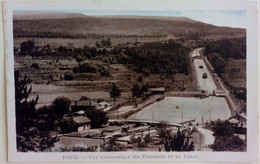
252	80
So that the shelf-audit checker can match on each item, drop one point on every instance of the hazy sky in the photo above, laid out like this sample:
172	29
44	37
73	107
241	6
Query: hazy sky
230	18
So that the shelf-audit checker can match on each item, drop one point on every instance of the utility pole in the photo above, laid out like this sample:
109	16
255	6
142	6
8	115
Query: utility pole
209	116
182	117
196	37
117	114
153	117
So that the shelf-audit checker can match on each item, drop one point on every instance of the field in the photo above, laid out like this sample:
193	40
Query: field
235	72
48	79
79	43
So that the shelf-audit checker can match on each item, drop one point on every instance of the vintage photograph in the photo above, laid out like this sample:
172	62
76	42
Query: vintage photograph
129	81
86	82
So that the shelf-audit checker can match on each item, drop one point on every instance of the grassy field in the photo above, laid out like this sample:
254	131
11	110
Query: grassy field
235	72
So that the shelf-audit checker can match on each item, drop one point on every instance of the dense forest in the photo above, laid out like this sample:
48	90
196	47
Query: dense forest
155	58
228	57
218	52
150	58
228	48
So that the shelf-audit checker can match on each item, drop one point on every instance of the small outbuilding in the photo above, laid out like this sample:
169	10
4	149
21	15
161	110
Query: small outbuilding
233	121
83	105
105	106
241	117
159	90
82	122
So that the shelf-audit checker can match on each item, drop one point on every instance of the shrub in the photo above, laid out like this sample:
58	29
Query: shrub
35	65
146	71
79	149
111	123
83	98
61	105
231	143
68	126
76	69
85	68
103	72
140	79
223	129
69	76
97	117
100	100
225	140
115	92
147	138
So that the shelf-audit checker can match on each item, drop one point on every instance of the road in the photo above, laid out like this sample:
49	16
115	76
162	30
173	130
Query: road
208	138
196	52
207	84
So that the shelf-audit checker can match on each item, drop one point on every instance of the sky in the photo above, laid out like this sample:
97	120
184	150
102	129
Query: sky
228	18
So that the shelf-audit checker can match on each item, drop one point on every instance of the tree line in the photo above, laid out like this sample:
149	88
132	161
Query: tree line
228	48
157	58
219	51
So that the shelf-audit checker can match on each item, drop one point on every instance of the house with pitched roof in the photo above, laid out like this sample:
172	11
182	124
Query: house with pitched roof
83	122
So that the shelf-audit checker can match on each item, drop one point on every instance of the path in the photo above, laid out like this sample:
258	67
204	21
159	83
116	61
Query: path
208	138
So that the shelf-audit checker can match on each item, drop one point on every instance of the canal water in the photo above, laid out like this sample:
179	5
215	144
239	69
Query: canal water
211	108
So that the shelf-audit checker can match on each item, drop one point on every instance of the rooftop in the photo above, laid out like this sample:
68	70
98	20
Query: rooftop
160	89
81	119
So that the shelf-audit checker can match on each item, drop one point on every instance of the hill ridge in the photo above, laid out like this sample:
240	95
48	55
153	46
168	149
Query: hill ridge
74	25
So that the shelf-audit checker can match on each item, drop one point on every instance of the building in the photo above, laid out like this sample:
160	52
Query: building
82	122
233	121
241	117
84	105
159	90
239	123
104	106
219	93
